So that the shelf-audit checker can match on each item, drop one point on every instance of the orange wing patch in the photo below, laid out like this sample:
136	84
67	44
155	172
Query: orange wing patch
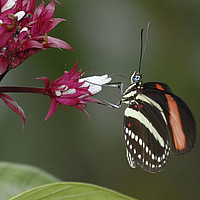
158	86
175	122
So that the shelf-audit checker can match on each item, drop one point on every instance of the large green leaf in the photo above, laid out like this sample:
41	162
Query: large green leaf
17	178
70	191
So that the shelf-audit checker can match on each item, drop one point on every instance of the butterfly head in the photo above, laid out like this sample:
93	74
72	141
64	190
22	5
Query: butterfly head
136	77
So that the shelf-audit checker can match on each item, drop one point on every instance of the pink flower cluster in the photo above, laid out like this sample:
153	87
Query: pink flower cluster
24	31
71	90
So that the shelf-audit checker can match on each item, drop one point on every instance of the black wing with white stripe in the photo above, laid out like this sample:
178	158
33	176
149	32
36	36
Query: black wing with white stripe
146	135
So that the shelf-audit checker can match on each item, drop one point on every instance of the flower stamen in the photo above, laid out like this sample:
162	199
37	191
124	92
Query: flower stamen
45	39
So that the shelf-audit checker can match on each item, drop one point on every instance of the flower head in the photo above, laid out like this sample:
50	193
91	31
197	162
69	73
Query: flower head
71	90
24	31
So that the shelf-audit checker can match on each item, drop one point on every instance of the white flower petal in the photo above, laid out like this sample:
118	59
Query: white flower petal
24	29
9	4
20	15
70	91
63	87
95	82
58	93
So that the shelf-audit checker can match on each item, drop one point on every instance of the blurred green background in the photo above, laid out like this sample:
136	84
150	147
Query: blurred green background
106	37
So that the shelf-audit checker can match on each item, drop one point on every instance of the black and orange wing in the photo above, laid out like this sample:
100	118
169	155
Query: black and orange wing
181	123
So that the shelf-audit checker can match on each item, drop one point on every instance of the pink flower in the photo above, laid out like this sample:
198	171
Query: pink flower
12	104
24	31
71	90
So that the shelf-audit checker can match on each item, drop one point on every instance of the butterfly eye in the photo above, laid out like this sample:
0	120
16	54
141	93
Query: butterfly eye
136	78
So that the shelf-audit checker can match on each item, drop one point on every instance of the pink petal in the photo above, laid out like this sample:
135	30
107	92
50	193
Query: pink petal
22	35
81	108
30	6
88	99
72	72
67	101
45	80
52	23
3	64
57	43
4	38
39	9
14	106
32	44
11	44
52	108
49	10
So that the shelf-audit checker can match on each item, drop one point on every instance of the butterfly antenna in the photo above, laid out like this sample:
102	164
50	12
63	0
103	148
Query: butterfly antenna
142	50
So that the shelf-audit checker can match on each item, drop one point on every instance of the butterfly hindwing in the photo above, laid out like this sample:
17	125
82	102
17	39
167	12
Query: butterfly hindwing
145	134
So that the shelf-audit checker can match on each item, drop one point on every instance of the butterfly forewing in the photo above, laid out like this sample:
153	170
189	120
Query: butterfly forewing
181	123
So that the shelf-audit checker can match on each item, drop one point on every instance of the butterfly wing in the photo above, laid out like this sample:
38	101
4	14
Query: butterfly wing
145	134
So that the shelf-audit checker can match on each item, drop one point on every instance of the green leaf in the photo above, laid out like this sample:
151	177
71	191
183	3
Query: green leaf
70	191
17	178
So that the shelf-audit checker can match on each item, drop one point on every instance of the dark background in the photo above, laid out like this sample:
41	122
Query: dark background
106	37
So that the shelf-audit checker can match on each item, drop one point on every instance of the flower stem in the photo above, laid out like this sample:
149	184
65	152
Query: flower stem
8	89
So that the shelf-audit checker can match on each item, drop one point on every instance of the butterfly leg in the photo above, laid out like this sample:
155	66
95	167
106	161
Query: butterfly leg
111	105
119	85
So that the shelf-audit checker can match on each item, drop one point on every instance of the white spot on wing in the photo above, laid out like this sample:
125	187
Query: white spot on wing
127	142
147	149
125	137
130	159
132	135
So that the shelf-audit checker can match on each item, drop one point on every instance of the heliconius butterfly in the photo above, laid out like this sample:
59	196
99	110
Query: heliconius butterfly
157	123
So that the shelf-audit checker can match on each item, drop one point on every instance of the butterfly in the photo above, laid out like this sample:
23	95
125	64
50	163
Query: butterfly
157	123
